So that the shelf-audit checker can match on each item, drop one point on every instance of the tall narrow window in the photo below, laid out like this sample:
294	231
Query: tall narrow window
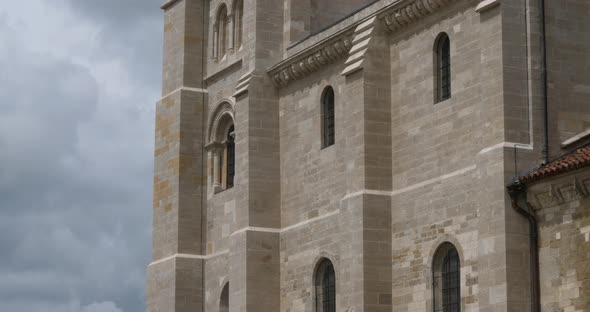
224	299
238	24
328	120
442	61
325	287
222	32
221	148
446	279
231	157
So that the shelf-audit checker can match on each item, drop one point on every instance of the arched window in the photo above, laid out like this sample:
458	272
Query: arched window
442	66
230	156
446	279
325	287
222	32
224	299
238	24
328	120
221	148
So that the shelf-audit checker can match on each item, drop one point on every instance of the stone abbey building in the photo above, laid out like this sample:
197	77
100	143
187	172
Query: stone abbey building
373	155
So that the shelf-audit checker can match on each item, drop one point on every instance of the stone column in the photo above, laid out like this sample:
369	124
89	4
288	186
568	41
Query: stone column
215	41
216	168
175	275
230	25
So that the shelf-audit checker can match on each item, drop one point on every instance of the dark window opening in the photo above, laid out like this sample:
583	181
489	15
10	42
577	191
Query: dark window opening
224	300
231	157
443	68
447	280
325	287
328	118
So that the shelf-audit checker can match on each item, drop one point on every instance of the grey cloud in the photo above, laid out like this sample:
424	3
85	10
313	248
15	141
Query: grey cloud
75	177
117	12
131	29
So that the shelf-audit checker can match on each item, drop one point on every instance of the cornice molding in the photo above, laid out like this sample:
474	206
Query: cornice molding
408	12
354	40
310	60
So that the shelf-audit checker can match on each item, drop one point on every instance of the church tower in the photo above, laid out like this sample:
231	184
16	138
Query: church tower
216	182
175	276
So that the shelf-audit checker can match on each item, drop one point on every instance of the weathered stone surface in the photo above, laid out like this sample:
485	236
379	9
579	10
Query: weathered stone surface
404	176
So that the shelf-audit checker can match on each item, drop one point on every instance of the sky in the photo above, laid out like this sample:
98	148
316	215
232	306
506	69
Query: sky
79	80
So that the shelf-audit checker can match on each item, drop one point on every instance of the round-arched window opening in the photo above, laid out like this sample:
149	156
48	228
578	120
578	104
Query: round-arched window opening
328	118
224	299
325	287
446	281
442	66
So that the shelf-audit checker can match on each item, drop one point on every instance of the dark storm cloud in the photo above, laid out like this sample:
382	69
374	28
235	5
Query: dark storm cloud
76	146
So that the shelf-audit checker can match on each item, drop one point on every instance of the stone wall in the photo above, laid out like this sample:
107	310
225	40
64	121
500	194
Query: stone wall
404	176
562	208
568	65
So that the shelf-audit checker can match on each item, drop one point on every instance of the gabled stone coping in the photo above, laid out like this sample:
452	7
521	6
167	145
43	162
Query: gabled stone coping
396	15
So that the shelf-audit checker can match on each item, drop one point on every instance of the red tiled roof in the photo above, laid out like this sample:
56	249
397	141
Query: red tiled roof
575	160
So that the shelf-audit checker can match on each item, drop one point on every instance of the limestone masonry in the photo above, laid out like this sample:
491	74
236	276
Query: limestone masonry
372	155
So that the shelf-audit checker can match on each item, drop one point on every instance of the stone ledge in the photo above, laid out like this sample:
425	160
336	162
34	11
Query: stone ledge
576	138
168	4
226	69
486	5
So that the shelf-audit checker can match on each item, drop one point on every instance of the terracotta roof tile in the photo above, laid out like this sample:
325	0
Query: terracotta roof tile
578	159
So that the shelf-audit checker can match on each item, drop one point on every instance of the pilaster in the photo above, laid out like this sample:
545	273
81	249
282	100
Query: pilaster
175	276
367	100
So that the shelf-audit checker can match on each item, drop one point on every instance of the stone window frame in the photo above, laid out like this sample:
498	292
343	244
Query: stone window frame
222	120
328	117
228	29
435	272
442	67
221	32
238	16
224	298
318	284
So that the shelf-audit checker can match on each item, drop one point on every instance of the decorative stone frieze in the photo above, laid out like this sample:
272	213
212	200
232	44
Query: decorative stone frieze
412	11
310	60
354	43
559	193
